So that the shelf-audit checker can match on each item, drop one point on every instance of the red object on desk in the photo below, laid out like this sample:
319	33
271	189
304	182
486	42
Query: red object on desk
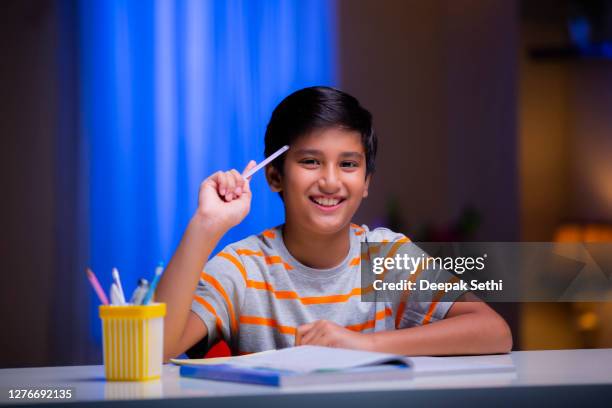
221	349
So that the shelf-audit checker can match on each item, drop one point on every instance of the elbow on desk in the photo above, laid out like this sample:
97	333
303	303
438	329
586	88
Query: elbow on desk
502	336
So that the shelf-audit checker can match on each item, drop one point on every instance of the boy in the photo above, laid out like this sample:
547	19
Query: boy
299	283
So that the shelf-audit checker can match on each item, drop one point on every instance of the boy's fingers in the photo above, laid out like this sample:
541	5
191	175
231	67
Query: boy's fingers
212	180
221	182
301	331
231	186
313	332
249	166
238	181
246	187
238	177
309	337
298	335
318	339
247	181
231	183
305	340
318	335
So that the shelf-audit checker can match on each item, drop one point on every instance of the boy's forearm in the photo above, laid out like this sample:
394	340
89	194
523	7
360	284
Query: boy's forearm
180	278
470	333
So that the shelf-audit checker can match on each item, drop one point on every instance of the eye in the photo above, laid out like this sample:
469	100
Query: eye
349	164
310	163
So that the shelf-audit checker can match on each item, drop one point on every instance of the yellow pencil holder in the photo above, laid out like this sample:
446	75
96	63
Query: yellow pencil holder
133	341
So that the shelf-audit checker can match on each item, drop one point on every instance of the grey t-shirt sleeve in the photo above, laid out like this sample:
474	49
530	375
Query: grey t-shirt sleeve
420	307
220	294
427	306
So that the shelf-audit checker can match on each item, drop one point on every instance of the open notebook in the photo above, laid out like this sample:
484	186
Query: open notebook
308	365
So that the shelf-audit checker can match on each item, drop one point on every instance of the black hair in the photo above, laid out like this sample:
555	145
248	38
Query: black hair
319	107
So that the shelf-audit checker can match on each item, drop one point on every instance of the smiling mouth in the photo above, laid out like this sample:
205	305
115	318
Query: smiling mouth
326	202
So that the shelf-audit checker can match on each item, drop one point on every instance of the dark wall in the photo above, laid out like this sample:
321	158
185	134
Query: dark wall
43	291
440	78
29	111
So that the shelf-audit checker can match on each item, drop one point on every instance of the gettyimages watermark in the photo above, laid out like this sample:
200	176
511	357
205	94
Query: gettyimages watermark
493	271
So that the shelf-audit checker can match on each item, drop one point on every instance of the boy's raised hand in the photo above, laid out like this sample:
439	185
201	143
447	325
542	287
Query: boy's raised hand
225	198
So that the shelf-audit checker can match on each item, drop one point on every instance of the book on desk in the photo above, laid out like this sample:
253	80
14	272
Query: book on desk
313	365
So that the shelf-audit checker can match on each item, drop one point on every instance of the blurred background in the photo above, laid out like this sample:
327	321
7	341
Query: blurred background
493	119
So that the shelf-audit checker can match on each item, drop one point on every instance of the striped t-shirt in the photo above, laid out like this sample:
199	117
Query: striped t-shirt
254	294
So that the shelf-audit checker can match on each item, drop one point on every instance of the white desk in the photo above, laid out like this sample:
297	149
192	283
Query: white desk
564	377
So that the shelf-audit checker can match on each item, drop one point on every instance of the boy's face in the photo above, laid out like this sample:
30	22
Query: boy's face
324	180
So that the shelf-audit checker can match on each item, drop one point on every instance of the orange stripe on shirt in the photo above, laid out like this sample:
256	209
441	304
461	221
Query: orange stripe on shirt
436	300
275	259
215	284
269	234
236	263
259	285
355	261
358	229
312	300
396	245
286	294
374	249
263	321
309	300
245	251
370	324
404	299
266	286
212	311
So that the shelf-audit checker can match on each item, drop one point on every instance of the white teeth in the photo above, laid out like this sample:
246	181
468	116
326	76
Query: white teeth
326	202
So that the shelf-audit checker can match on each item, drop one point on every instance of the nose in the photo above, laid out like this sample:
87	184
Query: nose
329	182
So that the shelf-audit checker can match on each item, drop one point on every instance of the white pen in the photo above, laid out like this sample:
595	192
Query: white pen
115	297
119	287
140	292
266	161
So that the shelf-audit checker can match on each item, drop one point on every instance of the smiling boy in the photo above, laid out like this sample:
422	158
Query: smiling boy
299	283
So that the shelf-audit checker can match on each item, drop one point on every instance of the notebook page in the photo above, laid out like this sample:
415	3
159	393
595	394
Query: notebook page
306	359
215	360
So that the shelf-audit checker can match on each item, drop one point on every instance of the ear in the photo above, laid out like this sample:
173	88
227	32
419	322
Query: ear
367	185
274	179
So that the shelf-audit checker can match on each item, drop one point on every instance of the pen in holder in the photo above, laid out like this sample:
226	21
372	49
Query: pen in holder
133	341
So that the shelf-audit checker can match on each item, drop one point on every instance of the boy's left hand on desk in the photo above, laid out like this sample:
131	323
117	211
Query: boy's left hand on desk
330	334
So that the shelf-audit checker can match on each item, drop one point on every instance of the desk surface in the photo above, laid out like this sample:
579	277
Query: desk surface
545	375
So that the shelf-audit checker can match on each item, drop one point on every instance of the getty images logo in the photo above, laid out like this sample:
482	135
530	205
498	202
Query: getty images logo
413	264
